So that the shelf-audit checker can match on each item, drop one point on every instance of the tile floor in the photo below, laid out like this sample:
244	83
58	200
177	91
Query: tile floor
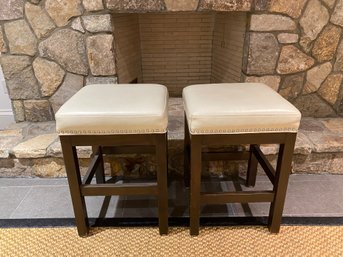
307	196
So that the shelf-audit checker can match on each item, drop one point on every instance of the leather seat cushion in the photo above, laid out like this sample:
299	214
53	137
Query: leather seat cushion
115	109
230	108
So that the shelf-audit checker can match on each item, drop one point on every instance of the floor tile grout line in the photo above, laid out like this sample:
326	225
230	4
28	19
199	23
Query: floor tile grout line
22	200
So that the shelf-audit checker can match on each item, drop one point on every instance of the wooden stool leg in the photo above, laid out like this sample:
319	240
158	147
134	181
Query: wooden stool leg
283	170
252	169
162	174
186	152
100	172
194	209
74	180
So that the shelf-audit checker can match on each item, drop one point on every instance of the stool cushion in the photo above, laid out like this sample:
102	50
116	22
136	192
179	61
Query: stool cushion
115	109
230	108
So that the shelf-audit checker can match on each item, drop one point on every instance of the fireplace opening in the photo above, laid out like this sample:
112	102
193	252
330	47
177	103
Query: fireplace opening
179	49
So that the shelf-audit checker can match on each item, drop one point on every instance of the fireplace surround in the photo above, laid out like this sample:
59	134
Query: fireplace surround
52	48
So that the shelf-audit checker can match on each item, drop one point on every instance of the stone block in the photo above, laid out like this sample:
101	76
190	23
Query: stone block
67	48
93	5
23	85
292	86
326	44
36	2
55	150
181	5
16	168
269	149
271	81
330	88
77	25
271	22
313	163
123	6
336	164
302	145
6	164
337	16
326	142
288	38
38	110
11	9
262	5
3	46
35	147
40	22
306	44
38	128
7	143
49	167
316	76
97	23
20	38
315	17
12	65
313	106
292	60
101	80
100	55
263	54
330	3
72	83
292	8
333	125
309	124
18	110
61	11
225	5
11	133
339	58
49	74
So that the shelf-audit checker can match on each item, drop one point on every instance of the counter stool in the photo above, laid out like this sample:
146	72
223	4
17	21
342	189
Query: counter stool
120	116
235	114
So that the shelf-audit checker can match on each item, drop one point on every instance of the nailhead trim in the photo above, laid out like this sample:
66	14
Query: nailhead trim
232	131
110	132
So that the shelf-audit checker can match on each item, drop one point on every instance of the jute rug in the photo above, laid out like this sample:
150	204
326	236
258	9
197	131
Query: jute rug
212	241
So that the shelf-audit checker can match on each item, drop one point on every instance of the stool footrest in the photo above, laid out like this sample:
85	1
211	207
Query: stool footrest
122	189
236	197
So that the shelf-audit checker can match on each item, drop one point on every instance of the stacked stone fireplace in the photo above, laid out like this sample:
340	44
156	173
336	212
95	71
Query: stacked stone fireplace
52	48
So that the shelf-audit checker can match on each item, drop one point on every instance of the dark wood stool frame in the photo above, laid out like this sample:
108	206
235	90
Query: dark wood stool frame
79	189
279	177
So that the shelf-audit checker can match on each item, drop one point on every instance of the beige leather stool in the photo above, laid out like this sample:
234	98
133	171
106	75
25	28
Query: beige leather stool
120	116
235	114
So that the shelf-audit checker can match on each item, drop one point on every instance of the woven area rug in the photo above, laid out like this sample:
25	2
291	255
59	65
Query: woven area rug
212	241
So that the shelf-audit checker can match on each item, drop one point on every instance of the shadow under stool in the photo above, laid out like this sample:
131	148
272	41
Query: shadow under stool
122	116
237	114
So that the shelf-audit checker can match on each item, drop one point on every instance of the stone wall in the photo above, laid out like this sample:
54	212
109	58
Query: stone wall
296	47
52	48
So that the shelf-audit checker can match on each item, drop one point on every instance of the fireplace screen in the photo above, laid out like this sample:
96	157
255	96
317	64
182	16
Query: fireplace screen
179	49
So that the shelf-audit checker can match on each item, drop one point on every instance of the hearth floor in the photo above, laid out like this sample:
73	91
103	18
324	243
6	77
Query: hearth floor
46	198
